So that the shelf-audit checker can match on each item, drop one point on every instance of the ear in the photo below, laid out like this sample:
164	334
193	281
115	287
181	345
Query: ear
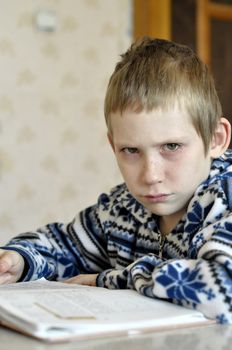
110	138
221	138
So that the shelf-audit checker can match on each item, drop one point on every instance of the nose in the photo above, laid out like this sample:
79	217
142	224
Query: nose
153	171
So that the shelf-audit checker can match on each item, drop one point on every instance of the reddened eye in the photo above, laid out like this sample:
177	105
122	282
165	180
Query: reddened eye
171	147
130	150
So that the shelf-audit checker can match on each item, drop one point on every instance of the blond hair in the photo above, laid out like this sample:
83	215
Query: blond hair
156	73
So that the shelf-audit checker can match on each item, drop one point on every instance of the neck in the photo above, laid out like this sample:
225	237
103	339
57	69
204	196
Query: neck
168	223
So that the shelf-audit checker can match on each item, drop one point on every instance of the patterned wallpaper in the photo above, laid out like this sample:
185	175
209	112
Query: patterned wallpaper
54	155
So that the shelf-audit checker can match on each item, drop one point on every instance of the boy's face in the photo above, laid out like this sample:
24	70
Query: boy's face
161	158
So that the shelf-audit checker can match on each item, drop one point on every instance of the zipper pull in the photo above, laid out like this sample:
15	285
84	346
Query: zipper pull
161	244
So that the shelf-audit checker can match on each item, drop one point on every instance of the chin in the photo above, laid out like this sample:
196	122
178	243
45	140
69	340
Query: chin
158	211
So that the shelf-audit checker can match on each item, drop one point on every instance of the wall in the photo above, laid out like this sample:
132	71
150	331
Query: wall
54	156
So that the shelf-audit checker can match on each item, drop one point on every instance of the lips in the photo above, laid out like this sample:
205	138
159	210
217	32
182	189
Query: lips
160	197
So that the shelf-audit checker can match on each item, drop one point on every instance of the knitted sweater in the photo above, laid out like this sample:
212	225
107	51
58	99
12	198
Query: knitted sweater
120	241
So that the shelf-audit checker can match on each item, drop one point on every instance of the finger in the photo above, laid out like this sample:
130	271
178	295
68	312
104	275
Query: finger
2	251
6	278
12	262
6	261
85	280
4	265
75	279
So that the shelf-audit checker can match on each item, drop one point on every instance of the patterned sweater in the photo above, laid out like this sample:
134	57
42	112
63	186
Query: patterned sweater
120	240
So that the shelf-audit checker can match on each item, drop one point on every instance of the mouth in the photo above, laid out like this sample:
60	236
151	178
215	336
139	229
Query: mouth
160	197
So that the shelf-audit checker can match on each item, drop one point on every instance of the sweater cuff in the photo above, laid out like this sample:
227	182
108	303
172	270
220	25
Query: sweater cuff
101	279
113	279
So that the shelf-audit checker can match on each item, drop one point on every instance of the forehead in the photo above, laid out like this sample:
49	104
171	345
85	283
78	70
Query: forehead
168	122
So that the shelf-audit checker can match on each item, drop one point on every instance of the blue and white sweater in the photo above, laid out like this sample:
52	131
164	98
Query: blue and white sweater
119	239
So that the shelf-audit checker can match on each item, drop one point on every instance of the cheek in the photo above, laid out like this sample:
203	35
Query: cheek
180	172
129	173
188	173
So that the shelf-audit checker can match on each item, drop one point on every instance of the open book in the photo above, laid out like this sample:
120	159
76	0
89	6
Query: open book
54	311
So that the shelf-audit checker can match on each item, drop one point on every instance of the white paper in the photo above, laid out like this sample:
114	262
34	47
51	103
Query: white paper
53	310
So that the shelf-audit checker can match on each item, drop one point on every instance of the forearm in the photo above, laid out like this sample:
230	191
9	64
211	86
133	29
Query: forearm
59	251
201	284
42	255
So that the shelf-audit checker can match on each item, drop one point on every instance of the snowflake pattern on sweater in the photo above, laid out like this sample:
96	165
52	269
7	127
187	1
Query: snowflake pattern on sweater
120	241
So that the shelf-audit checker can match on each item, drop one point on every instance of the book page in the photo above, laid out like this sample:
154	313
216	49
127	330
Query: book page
48	305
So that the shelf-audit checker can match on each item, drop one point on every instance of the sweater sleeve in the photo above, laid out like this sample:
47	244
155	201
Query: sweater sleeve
202	281
58	251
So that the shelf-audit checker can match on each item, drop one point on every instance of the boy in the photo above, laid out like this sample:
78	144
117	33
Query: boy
166	232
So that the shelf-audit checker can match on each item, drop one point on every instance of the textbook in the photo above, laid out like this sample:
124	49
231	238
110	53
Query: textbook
56	311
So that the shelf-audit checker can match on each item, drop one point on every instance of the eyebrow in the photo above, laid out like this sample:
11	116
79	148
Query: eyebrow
131	144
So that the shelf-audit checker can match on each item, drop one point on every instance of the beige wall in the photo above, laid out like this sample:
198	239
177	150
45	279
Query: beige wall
54	158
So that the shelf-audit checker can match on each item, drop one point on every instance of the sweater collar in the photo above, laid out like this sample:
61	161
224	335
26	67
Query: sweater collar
141	214
219	167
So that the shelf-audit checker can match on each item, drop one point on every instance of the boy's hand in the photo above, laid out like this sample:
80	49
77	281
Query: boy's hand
11	266
85	280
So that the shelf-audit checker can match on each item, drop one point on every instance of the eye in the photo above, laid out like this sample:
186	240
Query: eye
171	147
130	150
